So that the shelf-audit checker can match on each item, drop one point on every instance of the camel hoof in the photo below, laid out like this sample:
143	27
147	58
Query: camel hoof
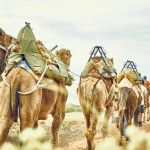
53	144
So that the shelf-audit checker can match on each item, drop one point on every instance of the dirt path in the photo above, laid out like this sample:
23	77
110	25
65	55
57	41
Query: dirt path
81	144
71	134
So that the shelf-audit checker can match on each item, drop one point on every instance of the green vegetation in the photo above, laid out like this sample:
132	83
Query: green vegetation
72	108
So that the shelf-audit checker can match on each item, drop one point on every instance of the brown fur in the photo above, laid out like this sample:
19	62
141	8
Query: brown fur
37	105
54	97
92	102
63	54
29	105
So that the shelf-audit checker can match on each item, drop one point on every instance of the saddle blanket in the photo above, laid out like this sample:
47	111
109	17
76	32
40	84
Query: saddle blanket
22	63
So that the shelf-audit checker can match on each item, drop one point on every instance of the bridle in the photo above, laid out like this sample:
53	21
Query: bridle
8	50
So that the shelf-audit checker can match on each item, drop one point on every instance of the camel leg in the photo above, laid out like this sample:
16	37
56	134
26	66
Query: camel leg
56	124
132	110
126	113
108	114
121	122
91	132
5	123
136	113
27	121
87	122
28	118
5	116
58	117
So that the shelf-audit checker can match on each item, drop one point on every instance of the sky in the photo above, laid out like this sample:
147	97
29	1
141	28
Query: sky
122	27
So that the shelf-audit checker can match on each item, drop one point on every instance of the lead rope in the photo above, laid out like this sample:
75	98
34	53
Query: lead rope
74	74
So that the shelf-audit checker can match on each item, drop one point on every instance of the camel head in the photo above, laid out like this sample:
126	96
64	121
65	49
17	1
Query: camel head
5	48
64	55
5	41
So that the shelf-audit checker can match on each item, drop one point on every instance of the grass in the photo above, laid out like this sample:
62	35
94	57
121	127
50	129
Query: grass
72	108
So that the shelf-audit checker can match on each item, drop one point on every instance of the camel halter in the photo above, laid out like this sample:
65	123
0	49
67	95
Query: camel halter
6	49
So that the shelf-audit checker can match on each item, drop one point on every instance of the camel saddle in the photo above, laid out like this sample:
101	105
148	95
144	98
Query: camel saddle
130	75
96	68
36	56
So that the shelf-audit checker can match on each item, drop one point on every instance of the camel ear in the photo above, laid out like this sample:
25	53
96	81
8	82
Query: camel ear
69	53
13	40
57	53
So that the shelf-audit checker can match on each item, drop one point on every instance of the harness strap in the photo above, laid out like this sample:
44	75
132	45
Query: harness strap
7	50
46	67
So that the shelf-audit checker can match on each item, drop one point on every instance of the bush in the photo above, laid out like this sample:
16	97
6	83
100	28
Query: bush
72	108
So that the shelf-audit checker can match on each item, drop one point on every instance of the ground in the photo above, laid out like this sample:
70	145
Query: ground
72	132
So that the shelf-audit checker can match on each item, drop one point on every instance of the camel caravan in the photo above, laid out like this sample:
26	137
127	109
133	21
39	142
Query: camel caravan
34	80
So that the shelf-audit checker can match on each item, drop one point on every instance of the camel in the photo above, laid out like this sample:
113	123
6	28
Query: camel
96	93
34	106
54	97
129	103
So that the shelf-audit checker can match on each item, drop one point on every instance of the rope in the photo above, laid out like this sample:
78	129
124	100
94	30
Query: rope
3	77
36	84
46	67
74	73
